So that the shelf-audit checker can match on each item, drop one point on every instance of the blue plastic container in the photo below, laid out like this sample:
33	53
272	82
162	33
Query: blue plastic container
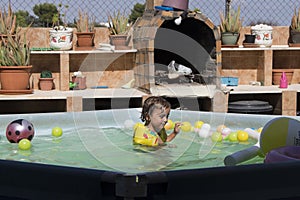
230	81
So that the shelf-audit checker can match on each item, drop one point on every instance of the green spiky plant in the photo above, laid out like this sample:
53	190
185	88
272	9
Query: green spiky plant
14	51
85	23
232	22
118	24
295	23
46	74
8	22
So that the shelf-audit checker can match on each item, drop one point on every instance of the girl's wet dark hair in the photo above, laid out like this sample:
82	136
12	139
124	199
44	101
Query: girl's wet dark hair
150	103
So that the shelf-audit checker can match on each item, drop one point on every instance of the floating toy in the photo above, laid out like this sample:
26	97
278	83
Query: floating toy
57	131
169	125
283	154
128	124
233	137
260	129
186	126
24	144
18	130
216	137
278	132
220	128
252	133
242	136
204	131
198	124
226	131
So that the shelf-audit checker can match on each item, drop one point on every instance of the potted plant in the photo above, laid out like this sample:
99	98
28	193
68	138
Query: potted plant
78	81
7	22
295	27
61	36
230	26
119	27
14	65
85	30
46	80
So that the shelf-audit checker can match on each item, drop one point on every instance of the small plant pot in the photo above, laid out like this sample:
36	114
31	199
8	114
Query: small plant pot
249	38
80	83
276	75
230	38
295	36
119	41
46	83
85	39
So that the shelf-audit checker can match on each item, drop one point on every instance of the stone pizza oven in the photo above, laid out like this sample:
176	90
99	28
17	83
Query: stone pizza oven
193	42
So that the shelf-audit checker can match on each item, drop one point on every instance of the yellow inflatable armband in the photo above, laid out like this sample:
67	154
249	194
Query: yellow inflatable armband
143	136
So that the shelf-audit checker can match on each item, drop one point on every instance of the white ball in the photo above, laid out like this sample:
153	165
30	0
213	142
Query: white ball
204	131
128	124
226	131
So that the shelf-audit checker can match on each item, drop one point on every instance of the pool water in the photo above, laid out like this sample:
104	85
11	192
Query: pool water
111	149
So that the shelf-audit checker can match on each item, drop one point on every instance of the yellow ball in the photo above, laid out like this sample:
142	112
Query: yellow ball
198	124
233	137
169	125
57	131
24	144
220	128
242	136
260	129
216	137
186	126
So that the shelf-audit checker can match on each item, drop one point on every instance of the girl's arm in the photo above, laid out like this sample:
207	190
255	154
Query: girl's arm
175	132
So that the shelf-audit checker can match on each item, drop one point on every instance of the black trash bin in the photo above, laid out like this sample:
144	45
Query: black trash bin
250	107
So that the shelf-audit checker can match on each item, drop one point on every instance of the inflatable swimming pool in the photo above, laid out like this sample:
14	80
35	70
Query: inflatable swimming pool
95	159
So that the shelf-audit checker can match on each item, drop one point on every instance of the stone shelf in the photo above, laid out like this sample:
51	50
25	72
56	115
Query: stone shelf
64	59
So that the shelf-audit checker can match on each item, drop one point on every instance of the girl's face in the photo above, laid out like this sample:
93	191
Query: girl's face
158	119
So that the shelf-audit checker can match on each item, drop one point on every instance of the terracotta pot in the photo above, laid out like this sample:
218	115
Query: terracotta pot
276	75
118	40
15	77
46	83
85	39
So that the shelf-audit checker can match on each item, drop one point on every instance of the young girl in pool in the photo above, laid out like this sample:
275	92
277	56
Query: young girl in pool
155	114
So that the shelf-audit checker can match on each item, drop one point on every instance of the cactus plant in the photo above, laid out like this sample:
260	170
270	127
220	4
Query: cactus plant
7	22
295	23
46	80
84	22
14	51
232	22
46	74
118	24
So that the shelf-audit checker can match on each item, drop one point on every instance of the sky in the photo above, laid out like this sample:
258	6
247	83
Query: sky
274	12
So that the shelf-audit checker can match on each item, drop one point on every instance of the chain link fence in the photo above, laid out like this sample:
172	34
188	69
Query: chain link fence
272	12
